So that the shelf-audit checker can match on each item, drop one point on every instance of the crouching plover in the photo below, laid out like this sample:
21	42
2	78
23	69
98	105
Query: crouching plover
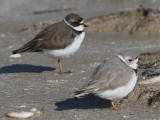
59	40
113	79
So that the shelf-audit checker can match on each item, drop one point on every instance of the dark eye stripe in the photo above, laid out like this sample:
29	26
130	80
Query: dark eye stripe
80	20
75	23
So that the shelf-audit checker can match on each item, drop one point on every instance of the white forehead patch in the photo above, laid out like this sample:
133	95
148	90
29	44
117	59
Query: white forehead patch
136	60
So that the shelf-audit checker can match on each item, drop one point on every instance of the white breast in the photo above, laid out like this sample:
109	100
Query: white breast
71	49
121	91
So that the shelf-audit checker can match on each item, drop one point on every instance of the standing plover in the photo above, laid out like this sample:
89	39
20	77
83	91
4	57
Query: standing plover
59	40
113	79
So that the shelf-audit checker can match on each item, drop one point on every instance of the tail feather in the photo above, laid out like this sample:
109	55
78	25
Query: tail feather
14	52
84	91
80	93
29	47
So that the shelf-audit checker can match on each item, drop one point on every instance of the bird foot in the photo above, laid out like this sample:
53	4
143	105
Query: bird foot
68	72
116	108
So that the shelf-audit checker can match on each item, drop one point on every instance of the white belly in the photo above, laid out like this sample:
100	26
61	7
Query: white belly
71	49
121	91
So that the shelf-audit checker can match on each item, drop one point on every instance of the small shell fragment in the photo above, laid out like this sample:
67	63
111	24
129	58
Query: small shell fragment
23	114
15	56
20	115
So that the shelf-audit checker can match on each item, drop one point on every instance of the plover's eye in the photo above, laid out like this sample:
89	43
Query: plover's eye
130	60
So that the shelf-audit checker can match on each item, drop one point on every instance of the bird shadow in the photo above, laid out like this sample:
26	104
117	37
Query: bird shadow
88	102
21	68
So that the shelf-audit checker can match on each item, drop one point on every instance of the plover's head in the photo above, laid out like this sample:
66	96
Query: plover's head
75	21
130	58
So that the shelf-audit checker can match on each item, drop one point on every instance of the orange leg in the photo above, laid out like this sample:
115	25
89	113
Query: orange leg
114	107
60	68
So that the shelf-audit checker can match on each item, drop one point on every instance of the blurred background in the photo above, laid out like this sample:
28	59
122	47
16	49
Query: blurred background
40	10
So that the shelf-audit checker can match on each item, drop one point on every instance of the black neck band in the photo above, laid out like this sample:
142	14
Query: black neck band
135	70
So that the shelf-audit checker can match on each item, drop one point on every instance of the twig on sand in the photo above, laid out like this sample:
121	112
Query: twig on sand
150	80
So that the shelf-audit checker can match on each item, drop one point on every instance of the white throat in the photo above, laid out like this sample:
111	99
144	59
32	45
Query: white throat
78	28
133	66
